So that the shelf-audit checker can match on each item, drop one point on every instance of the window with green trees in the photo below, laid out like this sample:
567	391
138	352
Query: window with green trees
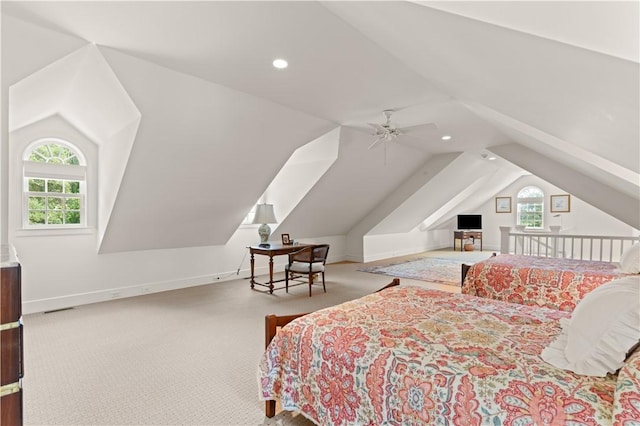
54	186
530	207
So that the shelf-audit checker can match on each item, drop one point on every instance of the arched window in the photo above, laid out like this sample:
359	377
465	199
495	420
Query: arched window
530	207
54	185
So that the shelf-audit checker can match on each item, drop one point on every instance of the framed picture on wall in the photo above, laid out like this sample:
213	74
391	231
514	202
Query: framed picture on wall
503	204
560	203
285	239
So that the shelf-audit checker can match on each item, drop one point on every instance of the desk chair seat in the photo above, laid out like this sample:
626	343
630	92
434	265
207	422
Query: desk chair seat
307	261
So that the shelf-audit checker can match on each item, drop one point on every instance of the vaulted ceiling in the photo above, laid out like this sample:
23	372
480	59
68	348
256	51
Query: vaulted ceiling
204	123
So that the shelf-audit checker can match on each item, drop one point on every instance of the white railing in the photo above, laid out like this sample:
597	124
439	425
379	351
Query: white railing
602	248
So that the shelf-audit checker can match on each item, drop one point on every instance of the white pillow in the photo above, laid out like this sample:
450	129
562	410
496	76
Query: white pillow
630	260
602	329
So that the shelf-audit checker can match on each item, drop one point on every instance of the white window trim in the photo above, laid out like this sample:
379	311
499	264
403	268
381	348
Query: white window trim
530	200
39	170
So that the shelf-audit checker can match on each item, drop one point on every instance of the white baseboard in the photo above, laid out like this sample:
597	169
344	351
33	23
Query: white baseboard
78	299
67	301
397	253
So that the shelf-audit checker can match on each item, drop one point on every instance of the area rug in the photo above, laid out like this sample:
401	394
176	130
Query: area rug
432	269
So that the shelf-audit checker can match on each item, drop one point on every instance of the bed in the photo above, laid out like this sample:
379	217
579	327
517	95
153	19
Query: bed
540	281
410	355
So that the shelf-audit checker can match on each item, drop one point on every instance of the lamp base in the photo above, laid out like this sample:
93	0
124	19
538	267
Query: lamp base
264	231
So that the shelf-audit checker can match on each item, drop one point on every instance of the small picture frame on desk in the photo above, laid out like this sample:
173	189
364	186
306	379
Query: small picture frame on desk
503	204
560	203
285	239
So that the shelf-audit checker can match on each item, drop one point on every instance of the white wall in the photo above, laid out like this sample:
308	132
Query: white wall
63	271
378	247
583	218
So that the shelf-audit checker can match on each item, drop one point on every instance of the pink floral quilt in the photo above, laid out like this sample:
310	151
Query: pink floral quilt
413	356
540	281
626	402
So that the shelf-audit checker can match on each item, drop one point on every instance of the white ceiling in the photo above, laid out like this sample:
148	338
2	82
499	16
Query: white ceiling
558	78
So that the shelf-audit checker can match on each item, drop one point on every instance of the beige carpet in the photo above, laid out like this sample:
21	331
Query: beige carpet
185	357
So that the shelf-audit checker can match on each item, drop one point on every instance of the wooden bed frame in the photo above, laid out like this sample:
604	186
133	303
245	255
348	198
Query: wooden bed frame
273	322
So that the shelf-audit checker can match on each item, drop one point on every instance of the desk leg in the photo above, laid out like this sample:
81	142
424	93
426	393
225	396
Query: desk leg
270	274
252	263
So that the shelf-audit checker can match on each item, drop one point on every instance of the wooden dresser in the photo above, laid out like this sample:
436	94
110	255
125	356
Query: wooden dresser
11	354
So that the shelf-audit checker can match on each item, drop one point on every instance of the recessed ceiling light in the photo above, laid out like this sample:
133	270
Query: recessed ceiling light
491	158
446	137
280	63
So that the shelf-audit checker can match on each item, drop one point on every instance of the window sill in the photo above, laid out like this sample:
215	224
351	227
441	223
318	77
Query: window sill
53	232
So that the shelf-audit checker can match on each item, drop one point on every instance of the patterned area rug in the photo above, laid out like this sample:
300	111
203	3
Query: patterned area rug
432	269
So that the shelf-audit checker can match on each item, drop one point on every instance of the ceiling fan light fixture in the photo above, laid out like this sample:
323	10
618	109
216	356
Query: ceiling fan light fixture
388	131
280	63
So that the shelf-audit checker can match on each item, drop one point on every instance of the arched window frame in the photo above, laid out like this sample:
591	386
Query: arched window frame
530	207
50	172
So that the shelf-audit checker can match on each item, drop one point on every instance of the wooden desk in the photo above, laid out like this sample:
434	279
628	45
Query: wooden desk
271	251
464	235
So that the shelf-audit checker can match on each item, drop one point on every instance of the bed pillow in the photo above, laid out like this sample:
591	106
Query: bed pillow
602	329
630	260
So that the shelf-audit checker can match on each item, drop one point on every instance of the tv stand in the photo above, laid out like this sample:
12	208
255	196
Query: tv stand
466	235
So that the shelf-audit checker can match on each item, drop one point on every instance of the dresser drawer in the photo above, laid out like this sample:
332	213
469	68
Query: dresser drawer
11	355
11	406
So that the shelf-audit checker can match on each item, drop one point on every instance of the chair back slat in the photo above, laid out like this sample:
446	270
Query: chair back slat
306	261
320	253
311	254
302	255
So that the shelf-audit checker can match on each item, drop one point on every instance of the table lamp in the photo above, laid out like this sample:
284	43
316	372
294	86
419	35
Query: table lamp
264	216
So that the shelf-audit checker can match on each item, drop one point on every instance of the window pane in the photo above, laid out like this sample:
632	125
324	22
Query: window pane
72	187
72	217
55	154
54	203
36	203
530	207
40	154
54	217
530	214
530	192
36	185
54	208
36	217
54	186
72	204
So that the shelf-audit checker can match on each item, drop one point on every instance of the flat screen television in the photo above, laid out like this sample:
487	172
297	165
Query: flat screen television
469	221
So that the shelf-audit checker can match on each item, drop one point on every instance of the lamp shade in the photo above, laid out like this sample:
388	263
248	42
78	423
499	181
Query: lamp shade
264	214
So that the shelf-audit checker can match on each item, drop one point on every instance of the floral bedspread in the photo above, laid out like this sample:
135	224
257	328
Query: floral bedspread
540	281
626	402
414	356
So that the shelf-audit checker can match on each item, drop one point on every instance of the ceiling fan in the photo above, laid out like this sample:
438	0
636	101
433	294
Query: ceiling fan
388	131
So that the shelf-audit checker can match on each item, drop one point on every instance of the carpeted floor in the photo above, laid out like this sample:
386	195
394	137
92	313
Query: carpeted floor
184	357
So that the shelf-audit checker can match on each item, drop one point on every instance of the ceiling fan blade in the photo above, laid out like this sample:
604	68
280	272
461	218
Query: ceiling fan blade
421	130
374	144
377	127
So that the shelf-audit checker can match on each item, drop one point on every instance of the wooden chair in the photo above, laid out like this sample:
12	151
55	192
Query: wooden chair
307	261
